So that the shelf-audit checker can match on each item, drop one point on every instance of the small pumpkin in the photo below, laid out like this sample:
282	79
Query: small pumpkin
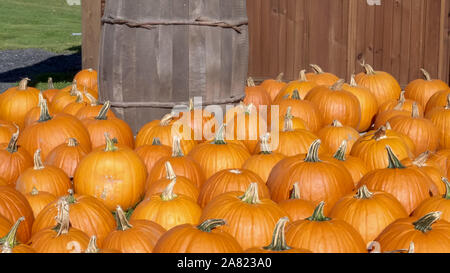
274	86
73	107
256	95
402	104
438	100
333	135
297	123
355	166
87	77
66	156
51	91
9	243
436	203
320	77
384	117
92	108
296	207
150	154
440	117
67	96
421	90
302	85
39	200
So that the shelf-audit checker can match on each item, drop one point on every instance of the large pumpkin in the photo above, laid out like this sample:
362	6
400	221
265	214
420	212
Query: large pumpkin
436	203
302	85
296	207
421	90
9	243
115	175
274	86
438	100
319	77
66	156
440	117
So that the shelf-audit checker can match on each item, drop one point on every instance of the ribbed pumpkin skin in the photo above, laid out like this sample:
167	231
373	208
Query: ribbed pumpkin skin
381	84
440	117
91	111
46	241
228	181
23	249
303	109
401	233
202	123
7	129
115	177
116	128
66	158
5	226
3	182
406	107
303	87
171	213
87	77
87	214
56	132
257	96
251	225
341	237
50	179
213	158
332	137
355	166
384	117
327	79
183	186
73	108
297	209
438	100
14	205
292	143
273	87
367	102
189	239
150	154
141	238
15	104
13	164
32	116
421	90
435	203
39	201
369	216
262	164
442	158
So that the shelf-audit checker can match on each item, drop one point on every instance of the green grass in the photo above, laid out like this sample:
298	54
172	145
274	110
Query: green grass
45	24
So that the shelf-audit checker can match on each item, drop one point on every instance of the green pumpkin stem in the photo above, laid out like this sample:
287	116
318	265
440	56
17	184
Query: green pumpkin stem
302	76
170	173
280	77
209	225
426	75
447	188
50	83
34	191
72	142
394	162
338	85
363	193
12	145
44	112
62	218
278	239
156	141
102	114
340	153
424	224
295	193
353	81
220	136
250	82
168	194
38	165
92	246
23	84
317	69
110	143
176	147
318	214
295	95
251	195
121	219
264	146
313	152
369	69
71	198
10	240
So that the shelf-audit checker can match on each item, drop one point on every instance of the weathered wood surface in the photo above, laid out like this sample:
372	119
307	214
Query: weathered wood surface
91	29
145	72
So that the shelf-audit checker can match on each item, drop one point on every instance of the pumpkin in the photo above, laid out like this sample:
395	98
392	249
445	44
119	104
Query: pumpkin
320	77
333	135
15	102
402	104
5	226
228	181
256	95
421	90
115	127
318	179
182	165
278	244
7	129
14	205
440	117
73	107
87	77
219	155
39	200
33	115
92	108
336	103
302	85
150	154
274	86
409	185
296	207
51	91
340	236
249	219
442	158
183	185
163	129
429	234
368	212
67	96
9	244
44	178
62	238
385	117
382	84
55	130
367	102
303	109
3	182
297	123
87	214
202	122
14	160
93	248
204	238
436	203
134	236
168	209
371	148
66	156
115	175
262	163
438	100
355	166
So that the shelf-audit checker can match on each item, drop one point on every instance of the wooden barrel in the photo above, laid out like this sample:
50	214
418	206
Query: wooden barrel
156	54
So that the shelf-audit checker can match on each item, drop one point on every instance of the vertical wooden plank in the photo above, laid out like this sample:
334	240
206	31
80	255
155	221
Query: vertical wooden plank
386	50
290	71
301	36
405	41
442	61
91	29
282	37
431	37
396	39
267	38
416	43
274	18
319	43
352	30
254	24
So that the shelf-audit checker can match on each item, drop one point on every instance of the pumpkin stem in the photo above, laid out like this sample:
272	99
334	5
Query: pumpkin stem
38	165
62	218
250	82
280	77
278	239
220	136
12	146
156	141
265	147
447	188
415	110
44	113
79	97
318	214
399	106
426	74
302	76
338	85
92	101
40	98
448	102
380	133
72	142
176	147
10	241
388	125
363	193
251	195
369	69
50	83
211	224
295	95
121	219
424	224
92	246
165	121
23	84
70	198
191	104
340	153
313	152
411	248
168	194
110	143
103	111
34	191
353	81
74	89
317	69
295	193
288	123
337	123
170	173
394	162
422	159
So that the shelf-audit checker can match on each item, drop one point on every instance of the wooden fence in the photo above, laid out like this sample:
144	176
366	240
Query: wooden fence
399	36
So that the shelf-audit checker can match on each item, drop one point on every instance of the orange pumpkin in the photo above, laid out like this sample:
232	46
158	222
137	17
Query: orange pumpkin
402	104
274	86
202	122
91	109
302	85
442	159
134	236
51	90
320	77
39	200
93	248
256	95
436	203
73	107
150	154
440	117
204	238
438	100
67	96
297	123
296	207
7	129
355	166
66	156
333	135
9	243
33	115
87	77
421	90
385	117
340	236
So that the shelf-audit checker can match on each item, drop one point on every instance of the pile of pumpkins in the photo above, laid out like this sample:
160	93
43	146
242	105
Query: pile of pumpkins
358	168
